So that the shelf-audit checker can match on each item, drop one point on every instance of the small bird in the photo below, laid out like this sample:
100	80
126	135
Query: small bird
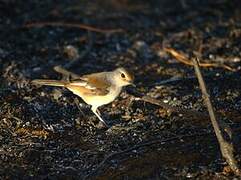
95	89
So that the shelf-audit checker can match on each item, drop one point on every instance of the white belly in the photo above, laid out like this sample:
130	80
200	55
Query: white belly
102	100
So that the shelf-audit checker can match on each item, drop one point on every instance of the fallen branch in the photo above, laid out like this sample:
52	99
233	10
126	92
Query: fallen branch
72	25
183	59
226	147
187	112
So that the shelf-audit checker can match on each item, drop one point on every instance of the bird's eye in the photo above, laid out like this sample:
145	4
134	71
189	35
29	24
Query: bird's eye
123	75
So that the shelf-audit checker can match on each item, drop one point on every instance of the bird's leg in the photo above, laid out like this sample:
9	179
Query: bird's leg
97	110
97	113
76	100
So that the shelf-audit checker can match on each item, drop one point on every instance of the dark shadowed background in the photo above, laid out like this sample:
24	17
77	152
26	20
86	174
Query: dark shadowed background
44	135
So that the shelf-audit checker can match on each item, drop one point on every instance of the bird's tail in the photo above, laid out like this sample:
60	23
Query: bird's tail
47	82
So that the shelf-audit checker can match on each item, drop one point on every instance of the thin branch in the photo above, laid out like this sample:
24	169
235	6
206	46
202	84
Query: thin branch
183	59
187	112
72	25
226	147
172	108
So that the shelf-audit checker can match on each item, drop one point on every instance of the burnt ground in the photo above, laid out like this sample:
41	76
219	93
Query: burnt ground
43	135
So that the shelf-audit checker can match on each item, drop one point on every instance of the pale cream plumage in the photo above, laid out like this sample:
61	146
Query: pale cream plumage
95	89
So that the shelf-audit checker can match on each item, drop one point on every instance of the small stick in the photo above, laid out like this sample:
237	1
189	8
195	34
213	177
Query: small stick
183	59
187	112
72	25
172	108
226	147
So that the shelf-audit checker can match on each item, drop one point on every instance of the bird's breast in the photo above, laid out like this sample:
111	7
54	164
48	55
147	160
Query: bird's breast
102	100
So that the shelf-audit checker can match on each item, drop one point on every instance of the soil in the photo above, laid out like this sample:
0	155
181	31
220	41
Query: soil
44	135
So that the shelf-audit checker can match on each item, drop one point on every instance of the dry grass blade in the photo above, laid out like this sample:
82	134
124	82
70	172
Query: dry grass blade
183	59
226	147
73	25
33	132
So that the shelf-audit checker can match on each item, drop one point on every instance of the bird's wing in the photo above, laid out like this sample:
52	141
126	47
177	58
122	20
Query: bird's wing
93	84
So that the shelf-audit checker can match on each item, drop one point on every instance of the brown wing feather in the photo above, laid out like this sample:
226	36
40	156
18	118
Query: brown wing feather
96	84
97	79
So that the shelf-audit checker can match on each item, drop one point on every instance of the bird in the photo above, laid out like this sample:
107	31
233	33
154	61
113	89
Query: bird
95	89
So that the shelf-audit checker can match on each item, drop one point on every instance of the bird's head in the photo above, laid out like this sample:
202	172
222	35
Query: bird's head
123	77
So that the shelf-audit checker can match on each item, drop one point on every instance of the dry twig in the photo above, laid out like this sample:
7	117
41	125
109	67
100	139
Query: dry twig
225	146
187	112
183	59
72	25
172	108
